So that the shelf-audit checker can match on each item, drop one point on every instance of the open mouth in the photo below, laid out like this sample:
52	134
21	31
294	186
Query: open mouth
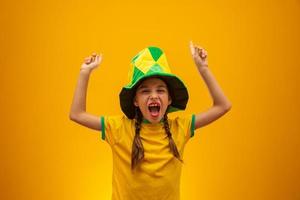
154	109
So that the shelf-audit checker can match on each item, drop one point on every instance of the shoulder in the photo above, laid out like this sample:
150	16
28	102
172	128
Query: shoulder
185	123
115	120
182	119
113	126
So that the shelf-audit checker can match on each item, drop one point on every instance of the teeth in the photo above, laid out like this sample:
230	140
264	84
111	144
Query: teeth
154	104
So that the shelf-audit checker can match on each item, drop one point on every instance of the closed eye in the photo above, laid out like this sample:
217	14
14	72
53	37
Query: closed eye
145	91
161	90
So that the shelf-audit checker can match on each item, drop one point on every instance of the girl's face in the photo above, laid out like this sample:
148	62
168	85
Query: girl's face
152	97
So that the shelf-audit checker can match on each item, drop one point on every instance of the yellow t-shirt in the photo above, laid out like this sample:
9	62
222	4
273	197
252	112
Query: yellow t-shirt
157	177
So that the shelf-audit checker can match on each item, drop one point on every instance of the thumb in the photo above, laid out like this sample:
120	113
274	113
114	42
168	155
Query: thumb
97	59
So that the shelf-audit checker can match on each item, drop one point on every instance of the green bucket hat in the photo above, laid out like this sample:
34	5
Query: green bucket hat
152	62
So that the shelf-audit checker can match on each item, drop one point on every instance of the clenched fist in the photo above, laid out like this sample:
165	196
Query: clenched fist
91	62
199	55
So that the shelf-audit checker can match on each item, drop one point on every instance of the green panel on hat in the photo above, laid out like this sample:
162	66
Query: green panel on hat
155	52
135	57
155	68
136	75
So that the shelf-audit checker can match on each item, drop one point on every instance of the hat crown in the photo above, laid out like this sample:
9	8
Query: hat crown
149	60
152	62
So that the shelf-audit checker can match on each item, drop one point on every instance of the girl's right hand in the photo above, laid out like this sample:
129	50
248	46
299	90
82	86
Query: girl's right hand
91	62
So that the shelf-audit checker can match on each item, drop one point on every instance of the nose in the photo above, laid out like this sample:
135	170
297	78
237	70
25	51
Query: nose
153	95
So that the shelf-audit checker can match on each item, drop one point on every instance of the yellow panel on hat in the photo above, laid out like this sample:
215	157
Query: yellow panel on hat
130	73
162	61
144	61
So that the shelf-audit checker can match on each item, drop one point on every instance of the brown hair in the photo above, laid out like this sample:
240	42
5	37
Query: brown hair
137	146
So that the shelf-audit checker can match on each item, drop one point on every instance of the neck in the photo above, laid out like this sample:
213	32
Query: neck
146	121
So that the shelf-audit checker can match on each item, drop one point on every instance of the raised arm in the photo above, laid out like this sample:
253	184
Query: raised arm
78	108
221	104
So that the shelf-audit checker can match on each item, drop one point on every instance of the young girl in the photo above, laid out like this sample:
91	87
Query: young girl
147	146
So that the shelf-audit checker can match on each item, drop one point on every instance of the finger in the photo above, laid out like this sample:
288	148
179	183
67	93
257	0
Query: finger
97	59
199	51
94	54
192	48
204	54
198	47
88	60
100	57
191	43
92	58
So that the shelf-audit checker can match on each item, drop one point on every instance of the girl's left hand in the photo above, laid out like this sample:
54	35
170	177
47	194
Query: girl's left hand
199	55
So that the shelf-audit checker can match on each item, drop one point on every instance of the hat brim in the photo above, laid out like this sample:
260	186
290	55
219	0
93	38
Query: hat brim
176	87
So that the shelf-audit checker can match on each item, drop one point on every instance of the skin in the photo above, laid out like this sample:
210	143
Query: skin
221	104
152	90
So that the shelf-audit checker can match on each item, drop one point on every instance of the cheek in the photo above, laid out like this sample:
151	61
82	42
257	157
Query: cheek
139	100
165	97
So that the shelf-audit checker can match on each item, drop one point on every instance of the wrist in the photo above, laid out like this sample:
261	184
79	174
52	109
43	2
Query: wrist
202	68
85	71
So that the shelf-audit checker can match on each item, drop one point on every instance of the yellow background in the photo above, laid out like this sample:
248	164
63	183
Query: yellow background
252	152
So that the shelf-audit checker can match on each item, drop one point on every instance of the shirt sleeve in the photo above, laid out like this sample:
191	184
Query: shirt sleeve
186	124
110	126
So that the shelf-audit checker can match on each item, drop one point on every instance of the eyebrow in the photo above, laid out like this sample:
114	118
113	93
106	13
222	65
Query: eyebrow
159	86
162	86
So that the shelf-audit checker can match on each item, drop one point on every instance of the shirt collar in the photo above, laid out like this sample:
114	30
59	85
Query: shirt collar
145	121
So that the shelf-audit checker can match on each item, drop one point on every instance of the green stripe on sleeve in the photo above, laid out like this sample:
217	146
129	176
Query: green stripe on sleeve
103	128
193	125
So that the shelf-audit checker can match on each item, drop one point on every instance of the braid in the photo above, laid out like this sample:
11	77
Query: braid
137	146
172	144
